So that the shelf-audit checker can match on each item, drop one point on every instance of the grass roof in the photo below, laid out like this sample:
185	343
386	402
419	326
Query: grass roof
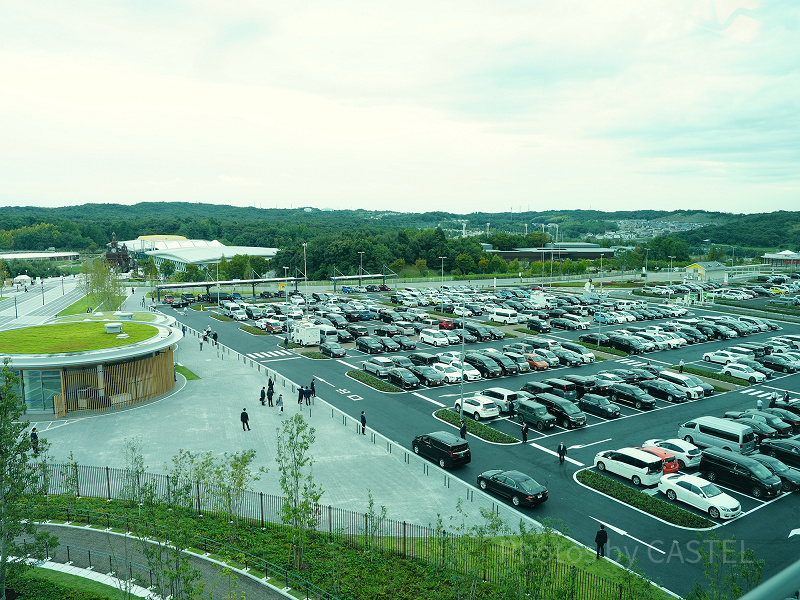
71	337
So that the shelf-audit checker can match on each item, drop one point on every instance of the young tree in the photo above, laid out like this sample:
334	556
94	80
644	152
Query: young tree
150	270
301	495
99	281
231	478
167	269
19	477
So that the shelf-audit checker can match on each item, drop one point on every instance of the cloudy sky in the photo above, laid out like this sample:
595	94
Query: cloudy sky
443	105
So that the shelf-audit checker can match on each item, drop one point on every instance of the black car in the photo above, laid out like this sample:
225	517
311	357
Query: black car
387	330
643	374
484	365
776	363
523	489
508	366
372	288
598	339
180	303
757	367
786	450
402	378
357	331
625	343
405	342
598	405
465	336
368	344
626	375
479	331
332	349
538	325
566	357
494	331
786	416
344	336
632	395
567	413
427	375
564	324
443	447
658	388
401	361
760	430
389	344
790	478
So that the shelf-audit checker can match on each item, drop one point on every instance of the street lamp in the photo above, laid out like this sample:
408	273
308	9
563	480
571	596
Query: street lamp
646	253
670	269
601	272
62	285
361	268
42	292
442	257
305	275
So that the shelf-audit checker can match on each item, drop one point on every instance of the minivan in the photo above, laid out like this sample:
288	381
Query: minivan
485	365
757	348
443	447
722	433
503	398
543	343
583	384
536	388
422	358
683	382
583	351
506	316
479	331
563	388
434	337
642	468
718	464
567	413
745	352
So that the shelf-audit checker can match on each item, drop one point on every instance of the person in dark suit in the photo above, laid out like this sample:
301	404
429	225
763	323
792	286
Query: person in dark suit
263	395
601	539
463	430
301	393
313	388
363	423
525	432
307	394
562	452
245	420
270	393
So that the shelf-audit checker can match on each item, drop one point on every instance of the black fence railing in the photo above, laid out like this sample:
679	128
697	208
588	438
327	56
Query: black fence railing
462	553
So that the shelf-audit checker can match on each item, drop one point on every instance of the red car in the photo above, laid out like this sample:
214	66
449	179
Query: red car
667	458
446	324
384	288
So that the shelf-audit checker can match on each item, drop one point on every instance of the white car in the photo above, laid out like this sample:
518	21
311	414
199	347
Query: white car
478	408
701	494
448	357
743	372
470	372
687	455
462	311
378	366
722	357
451	337
450	374
675	338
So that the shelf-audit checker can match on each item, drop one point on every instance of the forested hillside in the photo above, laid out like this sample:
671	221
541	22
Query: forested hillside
775	230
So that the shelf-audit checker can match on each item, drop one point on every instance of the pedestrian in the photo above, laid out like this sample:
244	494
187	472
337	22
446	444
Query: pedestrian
313	388
245	420
525	429
88	310
463	430
214	337
562	452
773	399
35	441
270	383
183	330
759	404
270	393
279	401
133	290
363	423
263	395
786	397
601	539
301	392
202	339
286	342
307	394
680	366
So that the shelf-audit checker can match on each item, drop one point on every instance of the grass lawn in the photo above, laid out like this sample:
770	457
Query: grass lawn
186	372
73	582
106	316
70	337
82	305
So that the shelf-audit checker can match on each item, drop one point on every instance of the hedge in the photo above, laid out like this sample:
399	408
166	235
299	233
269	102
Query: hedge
490	434
530	332
314	355
638	499
372	381
253	330
713	375
597	348
219	317
29	588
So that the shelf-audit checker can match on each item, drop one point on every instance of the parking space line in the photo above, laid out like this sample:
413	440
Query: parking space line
428	399
346	364
554	453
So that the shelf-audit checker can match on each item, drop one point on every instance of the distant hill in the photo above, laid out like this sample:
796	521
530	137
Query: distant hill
777	230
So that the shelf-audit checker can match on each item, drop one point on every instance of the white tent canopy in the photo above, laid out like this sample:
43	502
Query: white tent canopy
22	279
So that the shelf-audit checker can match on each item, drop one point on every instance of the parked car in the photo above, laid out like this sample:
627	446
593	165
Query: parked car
450	374
630	394
743	372
658	388
357	331
470	372
722	357
701	494
402	378
478	407
598	405
427	375
789	476
442	447
485	365
377	365
687	455
522	489
567	413
567	357
368	344
777	363
598	339
332	349
538	325
786	450
670	464
401	361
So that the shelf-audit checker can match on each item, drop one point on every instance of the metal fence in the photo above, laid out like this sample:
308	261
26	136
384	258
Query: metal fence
492	562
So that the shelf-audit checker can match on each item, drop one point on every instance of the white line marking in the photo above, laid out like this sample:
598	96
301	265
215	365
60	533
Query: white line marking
592	444
622	532
554	453
346	364
428	399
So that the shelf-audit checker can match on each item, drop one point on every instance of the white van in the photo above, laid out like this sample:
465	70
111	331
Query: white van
229	307
434	337
327	333
683	382
745	352
506	316
722	433
643	468
625	304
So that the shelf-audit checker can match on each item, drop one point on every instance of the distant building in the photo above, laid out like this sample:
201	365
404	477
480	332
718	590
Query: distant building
787	258
51	256
560	252
706	271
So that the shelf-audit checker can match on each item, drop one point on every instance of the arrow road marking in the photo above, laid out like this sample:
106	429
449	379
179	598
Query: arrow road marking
625	533
592	444
323	381
794	532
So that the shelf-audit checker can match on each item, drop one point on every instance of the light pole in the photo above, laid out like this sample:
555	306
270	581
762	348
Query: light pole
442	258
601	273
62	285
360	268
305	275
42	292
670	269
646	253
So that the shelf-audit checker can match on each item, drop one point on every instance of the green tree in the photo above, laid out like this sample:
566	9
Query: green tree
19	477
193	273
167	269
716	253
150	270
483	264
465	263
99	281
422	266
398	265
260	265
730	570
301	495
231	478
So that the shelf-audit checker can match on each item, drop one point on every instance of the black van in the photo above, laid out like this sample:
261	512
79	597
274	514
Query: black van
533	413
442	447
563	388
537	387
218	296
583	384
479	331
739	471
566	412
485	365
422	358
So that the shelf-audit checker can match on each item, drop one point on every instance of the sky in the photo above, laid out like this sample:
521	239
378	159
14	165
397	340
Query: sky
453	106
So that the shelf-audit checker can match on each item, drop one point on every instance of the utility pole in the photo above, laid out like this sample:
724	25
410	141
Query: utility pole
442	257
361	268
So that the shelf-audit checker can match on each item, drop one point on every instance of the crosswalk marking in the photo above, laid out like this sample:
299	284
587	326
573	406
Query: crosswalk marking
263	355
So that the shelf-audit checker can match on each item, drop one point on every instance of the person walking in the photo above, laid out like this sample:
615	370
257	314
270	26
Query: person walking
601	539
313	387
270	383
245	420
270	393
202	339
463	430
35	441
279	401
363	423
301	392
680	366
786	396
773	399
759	404
263	396
562	452
525	429
307	394
183	330
214	337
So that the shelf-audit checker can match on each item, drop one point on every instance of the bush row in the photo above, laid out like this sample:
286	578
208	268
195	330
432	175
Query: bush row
490	434
596	348
219	317
638	499
253	330
314	355
372	381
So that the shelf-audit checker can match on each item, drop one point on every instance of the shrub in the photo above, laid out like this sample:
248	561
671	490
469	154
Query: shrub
253	330
638	499
490	434
596	348
314	355
372	381
219	317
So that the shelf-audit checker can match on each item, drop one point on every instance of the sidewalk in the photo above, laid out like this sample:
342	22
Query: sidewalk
203	415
